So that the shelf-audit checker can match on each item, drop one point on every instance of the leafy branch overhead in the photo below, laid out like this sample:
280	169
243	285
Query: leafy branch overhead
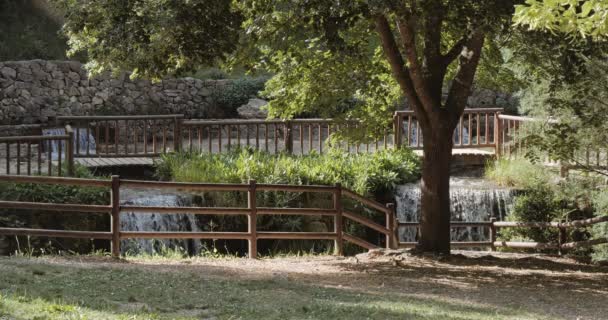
582	17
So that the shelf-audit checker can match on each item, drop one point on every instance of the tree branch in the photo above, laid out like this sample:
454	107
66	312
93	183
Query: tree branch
463	81
400	72
406	31
455	51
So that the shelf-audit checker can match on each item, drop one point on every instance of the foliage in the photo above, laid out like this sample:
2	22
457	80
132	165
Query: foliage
517	173
599	231
34	192
229	98
26	32
367	174
545	197
574	17
151	38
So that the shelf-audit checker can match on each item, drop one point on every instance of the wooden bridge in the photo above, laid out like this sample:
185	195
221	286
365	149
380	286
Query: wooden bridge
110	141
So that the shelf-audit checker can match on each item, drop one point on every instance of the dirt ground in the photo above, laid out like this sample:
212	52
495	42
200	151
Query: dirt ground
548	285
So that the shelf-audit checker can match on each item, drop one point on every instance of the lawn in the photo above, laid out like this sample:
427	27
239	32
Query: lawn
508	287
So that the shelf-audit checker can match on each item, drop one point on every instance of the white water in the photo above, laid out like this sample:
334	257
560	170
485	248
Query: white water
80	142
130	221
471	200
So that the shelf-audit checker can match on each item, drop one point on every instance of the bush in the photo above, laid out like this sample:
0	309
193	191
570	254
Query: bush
600	202
517	173
545	197
229	98
369	174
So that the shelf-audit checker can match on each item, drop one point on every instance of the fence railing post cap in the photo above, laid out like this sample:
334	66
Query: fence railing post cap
252	181
338	185
390	205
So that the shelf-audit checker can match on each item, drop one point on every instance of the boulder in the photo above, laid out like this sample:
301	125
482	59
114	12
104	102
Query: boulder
254	109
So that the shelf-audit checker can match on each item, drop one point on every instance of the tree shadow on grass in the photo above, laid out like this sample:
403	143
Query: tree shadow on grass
170	294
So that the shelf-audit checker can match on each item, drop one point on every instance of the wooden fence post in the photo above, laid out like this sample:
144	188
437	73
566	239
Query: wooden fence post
396	131
492	233
177	134
497	135
337	198
252	220
288	137
69	150
391	220
563	237
115	224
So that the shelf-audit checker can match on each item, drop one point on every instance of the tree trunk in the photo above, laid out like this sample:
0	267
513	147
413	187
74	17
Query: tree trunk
435	192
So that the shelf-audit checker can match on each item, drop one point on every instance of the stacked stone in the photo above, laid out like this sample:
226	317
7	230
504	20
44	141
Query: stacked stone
34	91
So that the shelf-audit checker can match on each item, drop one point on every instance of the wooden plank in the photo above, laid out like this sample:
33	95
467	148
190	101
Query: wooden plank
54	206
366	222
296	211
185	210
183	235
358	241
56	233
55	180
297	235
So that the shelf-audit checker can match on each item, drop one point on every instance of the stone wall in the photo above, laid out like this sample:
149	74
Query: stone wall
31	92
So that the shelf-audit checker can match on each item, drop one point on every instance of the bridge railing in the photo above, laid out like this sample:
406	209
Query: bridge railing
477	128
295	136
50	155
124	136
251	211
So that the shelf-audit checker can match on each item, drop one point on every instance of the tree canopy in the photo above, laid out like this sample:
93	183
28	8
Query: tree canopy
363	56
574	17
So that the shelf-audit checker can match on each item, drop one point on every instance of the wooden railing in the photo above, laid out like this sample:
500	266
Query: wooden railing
493	226
297	136
124	136
514	144
477	128
41	155
252	211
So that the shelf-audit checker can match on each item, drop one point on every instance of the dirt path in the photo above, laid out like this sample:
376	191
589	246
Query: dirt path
551	286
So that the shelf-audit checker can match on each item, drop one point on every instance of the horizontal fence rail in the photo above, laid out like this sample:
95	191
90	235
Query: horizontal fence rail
252	211
494	225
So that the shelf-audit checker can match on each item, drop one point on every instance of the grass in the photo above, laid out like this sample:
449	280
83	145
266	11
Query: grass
34	288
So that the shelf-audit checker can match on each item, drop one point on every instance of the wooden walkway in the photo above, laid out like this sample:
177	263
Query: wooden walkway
99	162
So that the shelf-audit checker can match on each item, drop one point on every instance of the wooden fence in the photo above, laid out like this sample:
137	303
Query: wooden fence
252	211
494	225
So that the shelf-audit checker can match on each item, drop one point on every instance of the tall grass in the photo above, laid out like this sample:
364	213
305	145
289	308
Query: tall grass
368	174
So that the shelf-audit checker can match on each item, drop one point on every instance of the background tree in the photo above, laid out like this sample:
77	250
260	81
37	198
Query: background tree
574	17
324	53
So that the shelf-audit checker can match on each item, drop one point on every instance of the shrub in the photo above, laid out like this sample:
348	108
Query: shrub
369	174
518	173
600	202
229	98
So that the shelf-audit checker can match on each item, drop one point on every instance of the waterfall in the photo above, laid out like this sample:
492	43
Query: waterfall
471	200
130	221
82	141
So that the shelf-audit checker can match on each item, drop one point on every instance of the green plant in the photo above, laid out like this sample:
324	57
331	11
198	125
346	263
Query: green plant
237	93
600	202
517	173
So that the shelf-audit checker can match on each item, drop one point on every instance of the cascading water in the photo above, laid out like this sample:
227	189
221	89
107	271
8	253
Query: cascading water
130	221
82	142
471	200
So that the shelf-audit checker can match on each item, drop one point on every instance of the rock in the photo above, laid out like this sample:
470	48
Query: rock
253	109
8	73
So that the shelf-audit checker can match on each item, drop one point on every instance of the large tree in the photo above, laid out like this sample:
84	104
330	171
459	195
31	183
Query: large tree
324	52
